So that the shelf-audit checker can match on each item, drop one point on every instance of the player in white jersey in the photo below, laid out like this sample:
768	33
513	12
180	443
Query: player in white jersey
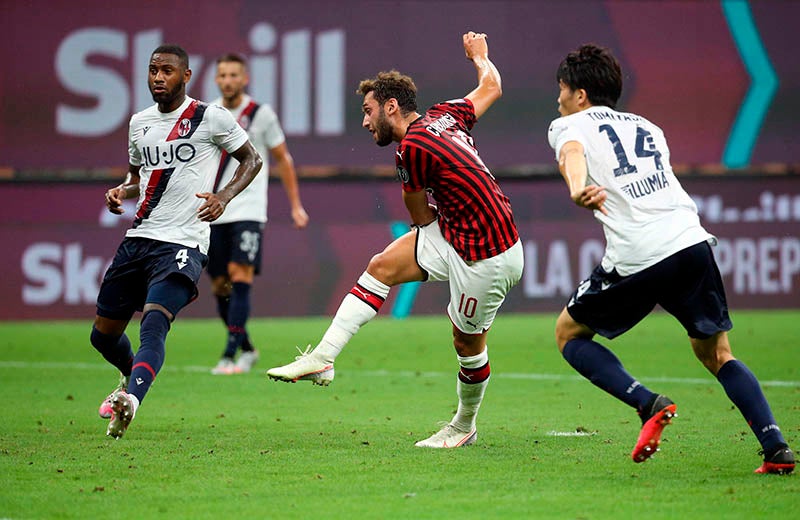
174	149
236	237
617	165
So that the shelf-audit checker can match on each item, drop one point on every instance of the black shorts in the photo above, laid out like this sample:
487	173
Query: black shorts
687	285
238	242
140	263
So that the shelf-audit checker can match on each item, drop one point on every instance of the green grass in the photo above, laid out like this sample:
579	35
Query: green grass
214	447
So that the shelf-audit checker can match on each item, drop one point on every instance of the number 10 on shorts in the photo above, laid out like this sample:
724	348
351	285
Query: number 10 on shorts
467	305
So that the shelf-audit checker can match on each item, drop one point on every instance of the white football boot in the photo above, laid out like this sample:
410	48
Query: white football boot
449	437
246	361
306	367
105	407
226	367
124	409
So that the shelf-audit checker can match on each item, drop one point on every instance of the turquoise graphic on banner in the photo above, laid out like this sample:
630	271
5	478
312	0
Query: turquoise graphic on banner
764	84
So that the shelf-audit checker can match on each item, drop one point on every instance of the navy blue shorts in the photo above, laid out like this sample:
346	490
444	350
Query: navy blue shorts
138	265
687	285
238	242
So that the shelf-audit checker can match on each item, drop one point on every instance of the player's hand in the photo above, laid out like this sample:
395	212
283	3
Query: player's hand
114	198
592	197
475	45
300	217
212	208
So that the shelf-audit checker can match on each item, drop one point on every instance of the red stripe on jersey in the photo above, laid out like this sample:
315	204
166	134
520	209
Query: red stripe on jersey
187	115
223	163
366	296
152	184
188	121
474	375
248	111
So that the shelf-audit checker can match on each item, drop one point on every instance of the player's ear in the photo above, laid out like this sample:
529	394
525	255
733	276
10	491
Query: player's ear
187	76
391	106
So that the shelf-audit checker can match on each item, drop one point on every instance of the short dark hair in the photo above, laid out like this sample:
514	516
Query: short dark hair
175	50
232	57
392	84
595	70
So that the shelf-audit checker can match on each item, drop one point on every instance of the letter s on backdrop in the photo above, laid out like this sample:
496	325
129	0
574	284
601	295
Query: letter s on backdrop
105	85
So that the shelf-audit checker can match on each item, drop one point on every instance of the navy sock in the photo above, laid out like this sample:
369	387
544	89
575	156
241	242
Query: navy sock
223	305
150	357
223	308
238	313
115	349
743	389
600	366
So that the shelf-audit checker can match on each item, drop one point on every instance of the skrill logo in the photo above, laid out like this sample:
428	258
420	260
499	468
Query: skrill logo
285	69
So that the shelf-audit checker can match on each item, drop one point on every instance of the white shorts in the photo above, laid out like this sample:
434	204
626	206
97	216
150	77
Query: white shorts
477	288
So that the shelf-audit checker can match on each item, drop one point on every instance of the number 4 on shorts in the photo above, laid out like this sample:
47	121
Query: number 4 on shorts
183	258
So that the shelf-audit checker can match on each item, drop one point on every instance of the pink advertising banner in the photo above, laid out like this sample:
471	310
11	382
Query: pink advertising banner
58	240
72	78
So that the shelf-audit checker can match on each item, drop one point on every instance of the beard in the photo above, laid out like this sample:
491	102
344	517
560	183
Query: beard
383	130
165	98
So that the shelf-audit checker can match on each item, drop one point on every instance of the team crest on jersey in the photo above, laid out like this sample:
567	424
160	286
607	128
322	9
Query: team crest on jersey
402	174
184	127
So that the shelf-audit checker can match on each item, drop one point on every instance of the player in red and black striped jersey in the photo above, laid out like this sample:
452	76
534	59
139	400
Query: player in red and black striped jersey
464	233
438	156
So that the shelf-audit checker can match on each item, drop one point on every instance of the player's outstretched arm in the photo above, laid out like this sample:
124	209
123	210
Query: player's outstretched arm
250	163
572	165
489	87
285	166
128	189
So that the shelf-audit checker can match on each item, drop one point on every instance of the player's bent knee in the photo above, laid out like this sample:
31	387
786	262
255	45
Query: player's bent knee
468	345
240	273
712	352
221	286
155	307
108	326
568	329
562	332
382	269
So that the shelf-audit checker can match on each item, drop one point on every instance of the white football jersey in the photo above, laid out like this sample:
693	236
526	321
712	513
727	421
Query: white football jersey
261	124
650	216
178	153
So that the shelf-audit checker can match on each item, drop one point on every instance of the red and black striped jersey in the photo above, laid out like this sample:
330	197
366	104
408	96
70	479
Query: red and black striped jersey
438	155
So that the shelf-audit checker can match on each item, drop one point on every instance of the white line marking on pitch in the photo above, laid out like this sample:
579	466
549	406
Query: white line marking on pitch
570	434
56	365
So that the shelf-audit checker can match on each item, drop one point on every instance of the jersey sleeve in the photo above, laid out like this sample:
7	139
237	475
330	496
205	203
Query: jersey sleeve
561	132
225	131
268	121
462	109
413	164
134	156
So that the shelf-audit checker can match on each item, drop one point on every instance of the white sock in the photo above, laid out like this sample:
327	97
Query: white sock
134	403
470	395
353	312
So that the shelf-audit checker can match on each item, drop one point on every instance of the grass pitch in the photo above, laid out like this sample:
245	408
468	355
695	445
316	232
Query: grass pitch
550	444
